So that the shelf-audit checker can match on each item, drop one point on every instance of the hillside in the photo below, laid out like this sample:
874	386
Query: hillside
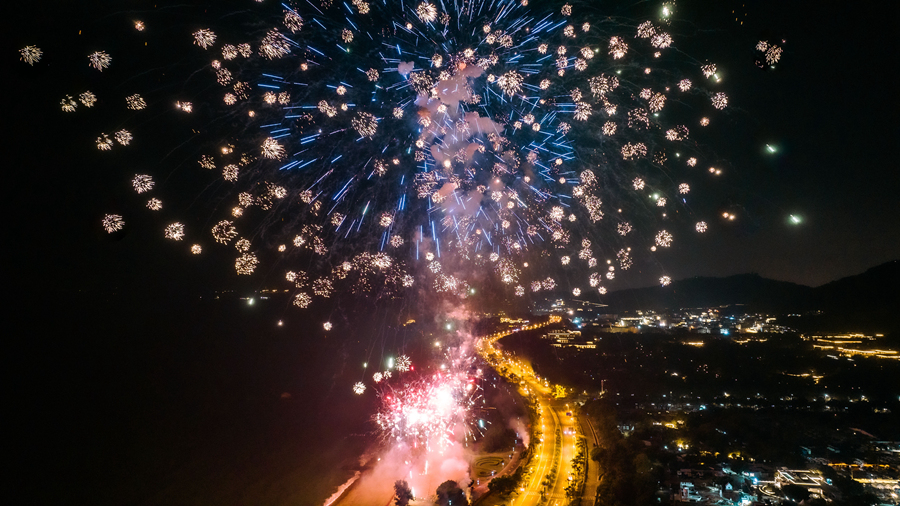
869	300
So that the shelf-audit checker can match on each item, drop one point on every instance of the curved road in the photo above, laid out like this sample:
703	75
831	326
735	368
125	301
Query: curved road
556	424
555	452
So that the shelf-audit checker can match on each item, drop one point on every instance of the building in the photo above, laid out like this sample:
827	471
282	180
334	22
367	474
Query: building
563	336
570	339
811	480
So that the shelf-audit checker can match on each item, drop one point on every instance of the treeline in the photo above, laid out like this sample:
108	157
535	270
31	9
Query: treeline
629	475
575	488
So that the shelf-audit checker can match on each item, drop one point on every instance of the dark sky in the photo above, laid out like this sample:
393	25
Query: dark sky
830	107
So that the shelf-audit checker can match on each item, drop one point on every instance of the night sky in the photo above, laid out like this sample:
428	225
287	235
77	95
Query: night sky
829	109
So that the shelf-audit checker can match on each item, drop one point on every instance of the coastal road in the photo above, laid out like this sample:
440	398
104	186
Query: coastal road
555	453
553	456
559	426
557	495
544	461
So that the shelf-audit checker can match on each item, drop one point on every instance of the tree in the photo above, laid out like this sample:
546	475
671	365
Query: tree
402	492
853	492
642	464
502	485
449	494
795	493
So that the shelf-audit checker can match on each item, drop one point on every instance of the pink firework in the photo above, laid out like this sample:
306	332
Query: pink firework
428	413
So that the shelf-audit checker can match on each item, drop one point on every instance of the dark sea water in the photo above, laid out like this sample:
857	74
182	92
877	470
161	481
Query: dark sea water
125	400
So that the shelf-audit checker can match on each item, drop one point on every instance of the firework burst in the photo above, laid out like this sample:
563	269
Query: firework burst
99	60
430	412
486	135
113	223
31	54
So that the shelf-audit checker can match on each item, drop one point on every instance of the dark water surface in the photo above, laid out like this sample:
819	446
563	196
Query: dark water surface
121	400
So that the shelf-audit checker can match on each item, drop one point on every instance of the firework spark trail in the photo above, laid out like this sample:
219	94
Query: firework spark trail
481	134
431	412
484	183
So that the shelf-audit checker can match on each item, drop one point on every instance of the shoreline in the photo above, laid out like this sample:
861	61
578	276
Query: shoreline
342	489
362	465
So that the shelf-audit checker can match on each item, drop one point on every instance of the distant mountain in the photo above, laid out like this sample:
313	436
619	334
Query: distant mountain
867	301
870	299
749	289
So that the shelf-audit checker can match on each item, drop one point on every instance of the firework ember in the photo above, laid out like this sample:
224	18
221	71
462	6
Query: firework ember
379	161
